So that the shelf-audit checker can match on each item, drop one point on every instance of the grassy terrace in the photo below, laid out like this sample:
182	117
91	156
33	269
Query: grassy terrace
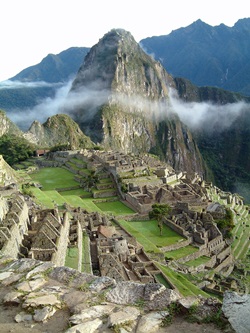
79	192
180	253
71	259
197	262
147	244
114	207
150	229
148	235
185	287
86	260
55	197
87	203
51	178
42	198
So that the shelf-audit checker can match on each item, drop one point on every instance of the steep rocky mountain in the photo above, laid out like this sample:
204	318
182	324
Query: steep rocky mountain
206	55
58	130
49	75
122	99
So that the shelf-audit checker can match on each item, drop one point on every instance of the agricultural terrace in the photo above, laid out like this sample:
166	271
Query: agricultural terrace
53	178
150	230
56	187
114	207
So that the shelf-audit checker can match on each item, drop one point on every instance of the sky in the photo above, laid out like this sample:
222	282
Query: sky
31	29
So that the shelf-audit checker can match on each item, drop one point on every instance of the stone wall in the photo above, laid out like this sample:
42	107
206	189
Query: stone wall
193	256
227	262
140	208
223	254
79	245
7	174
58	258
176	228
177	246
15	234
3	208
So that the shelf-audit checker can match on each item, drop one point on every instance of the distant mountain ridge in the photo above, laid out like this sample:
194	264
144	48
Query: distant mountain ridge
54	68
207	56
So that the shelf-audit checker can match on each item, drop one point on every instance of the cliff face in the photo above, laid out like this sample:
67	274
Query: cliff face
58	130
7	126
7	174
124	104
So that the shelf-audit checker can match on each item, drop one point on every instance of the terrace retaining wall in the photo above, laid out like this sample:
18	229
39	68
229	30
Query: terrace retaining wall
193	256
177	246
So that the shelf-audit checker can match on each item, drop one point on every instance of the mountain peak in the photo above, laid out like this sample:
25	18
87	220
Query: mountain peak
243	24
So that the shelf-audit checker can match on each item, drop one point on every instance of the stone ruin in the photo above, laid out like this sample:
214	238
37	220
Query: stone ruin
46	234
14	220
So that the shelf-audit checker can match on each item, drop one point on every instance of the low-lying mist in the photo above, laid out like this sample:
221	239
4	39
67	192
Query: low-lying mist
207	116
204	115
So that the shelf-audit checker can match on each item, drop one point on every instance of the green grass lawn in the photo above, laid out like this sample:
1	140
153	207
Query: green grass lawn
86	260
151	231
42	198
161	279
147	244
51	178
85	203
185	287
182	252
116	207
197	262
71	259
79	192
55	197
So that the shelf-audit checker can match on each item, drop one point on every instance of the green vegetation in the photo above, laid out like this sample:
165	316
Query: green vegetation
115	207
146	233
197	262
52	178
63	147
182	252
86	260
158	212
71	259
150	230
86	203
226	224
79	192
15	149
144	241
89	181
185	287
161	279
41	197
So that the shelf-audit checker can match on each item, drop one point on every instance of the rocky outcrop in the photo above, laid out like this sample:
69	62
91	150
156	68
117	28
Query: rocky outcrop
40	291
7	174
7	126
58	130
237	308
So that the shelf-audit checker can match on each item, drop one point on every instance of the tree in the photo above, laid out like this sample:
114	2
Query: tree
90	181
158	212
15	149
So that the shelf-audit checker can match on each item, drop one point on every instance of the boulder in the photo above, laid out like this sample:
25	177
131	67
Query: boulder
237	309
